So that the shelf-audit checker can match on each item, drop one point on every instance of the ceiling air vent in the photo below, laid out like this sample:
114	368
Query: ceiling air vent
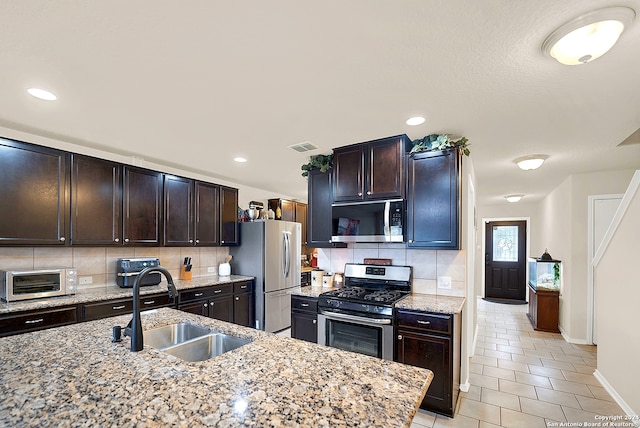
305	146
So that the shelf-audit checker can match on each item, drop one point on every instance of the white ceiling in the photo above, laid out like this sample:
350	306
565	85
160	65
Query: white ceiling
193	84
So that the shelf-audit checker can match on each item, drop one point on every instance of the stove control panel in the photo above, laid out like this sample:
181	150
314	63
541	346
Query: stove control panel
375	270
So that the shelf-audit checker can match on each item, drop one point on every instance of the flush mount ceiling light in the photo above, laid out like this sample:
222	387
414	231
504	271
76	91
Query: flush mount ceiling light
240	159
42	94
530	162
513	198
588	36
415	121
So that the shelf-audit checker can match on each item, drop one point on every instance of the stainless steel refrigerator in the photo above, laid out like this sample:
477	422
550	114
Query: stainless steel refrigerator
269	250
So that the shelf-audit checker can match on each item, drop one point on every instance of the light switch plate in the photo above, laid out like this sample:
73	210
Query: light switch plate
84	280
211	269
444	282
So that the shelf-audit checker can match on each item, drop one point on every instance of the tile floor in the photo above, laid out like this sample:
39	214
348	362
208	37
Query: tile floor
523	378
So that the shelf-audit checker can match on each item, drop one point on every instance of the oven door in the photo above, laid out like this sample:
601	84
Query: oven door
356	333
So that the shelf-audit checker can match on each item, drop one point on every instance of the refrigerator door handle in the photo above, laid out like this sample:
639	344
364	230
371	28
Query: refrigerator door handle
287	253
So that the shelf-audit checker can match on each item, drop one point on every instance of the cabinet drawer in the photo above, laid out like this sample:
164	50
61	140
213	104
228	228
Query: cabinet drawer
111	308
206	293
427	321
305	304
242	287
37	321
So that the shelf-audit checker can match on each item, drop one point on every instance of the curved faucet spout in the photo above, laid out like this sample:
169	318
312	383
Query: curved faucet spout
134	329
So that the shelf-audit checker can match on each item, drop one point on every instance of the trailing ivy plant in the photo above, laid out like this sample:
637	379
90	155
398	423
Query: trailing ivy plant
440	142
321	162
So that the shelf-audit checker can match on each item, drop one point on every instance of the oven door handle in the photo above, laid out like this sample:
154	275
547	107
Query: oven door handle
361	320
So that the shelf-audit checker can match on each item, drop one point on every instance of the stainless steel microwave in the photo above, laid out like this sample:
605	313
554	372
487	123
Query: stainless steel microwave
34	284
371	221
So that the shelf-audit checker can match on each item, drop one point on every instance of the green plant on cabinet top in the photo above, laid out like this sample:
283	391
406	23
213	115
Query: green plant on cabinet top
321	162
433	142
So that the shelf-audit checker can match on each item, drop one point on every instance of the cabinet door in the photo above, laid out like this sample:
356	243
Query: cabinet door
304	326
34	194
349	167
142	200
384	169
228	216
221	308
198	308
433	353
320	192
432	200
243	309
288	210
301	217
207	211
178	211
96	201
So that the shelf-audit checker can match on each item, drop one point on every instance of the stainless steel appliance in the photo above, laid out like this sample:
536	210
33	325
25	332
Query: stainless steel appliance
269	250
127	270
371	221
359	316
34	284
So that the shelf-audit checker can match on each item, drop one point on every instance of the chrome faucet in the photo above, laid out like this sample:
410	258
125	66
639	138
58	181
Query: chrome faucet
134	328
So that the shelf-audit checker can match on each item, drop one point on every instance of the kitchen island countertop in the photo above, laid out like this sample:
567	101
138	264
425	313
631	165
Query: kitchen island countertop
75	376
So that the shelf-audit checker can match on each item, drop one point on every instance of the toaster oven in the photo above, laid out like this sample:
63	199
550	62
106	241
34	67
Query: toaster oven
35	284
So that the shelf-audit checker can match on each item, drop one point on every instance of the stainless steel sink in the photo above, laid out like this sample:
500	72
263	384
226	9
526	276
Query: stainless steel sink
191	342
206	347
172	334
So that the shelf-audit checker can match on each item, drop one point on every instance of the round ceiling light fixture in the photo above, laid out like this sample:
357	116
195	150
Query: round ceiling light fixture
530	162
513	198
415	121
42	94
588	36
240	159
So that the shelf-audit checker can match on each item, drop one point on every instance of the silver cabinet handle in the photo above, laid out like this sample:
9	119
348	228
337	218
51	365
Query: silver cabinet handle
368	192
36	321
243	286
410	241
62	239
205	305
399	337
115	308
217	291
197	241
423	322
315	321
237	298
304	305
116	240
126	239
198	294
359	193
149	302
190	241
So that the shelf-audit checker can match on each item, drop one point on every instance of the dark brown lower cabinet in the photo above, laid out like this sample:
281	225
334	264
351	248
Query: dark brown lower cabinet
432	341
228	302
111	308
24	322
304	318
544	309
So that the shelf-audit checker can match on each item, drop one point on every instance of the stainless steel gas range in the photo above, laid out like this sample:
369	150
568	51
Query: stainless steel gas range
359	316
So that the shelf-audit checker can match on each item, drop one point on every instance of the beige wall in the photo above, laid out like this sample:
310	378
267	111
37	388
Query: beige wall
618	298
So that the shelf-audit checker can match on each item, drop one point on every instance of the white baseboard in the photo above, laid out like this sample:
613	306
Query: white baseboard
464	387
617	398
570	339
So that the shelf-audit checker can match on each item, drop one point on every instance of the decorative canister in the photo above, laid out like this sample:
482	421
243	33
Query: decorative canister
316	277
327	280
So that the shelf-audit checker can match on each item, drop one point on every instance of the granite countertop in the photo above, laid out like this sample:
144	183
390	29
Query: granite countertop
109	292
416	301
74	376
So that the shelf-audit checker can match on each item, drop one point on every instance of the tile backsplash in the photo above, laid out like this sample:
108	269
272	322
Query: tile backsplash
99	263
427	265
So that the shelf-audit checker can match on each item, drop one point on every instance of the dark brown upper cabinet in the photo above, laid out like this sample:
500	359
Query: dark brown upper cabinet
433	200
191	212
320	191
371	170
178	211
34	195
142	201
229	216
207	214
96	201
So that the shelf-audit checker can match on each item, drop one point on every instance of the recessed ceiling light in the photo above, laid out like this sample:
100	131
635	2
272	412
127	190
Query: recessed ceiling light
589	36
415	121
240	159
530	162
42	94
513	198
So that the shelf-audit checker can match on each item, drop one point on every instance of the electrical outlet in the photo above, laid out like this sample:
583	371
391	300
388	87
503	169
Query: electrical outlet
211	269
85	280
444	282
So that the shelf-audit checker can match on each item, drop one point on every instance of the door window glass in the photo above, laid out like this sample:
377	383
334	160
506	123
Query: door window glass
505	243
